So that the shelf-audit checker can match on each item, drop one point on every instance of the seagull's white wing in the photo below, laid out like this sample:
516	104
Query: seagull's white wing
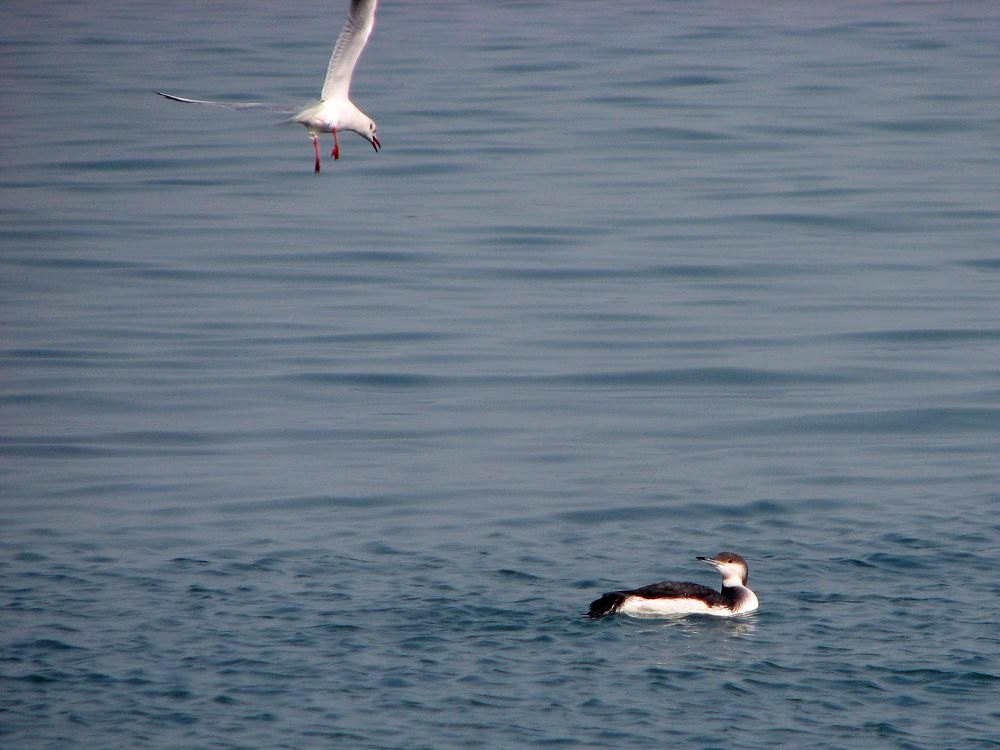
350	43
239	106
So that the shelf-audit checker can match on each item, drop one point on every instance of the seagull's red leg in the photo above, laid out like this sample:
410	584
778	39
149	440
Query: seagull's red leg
315	141
336	145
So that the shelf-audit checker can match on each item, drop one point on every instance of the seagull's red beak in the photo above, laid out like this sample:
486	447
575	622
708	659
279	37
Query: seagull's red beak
375	143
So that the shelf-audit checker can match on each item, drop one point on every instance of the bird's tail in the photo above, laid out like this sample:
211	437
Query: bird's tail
606	605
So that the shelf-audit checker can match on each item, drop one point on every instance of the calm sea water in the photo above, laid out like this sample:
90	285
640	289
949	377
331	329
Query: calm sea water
299	461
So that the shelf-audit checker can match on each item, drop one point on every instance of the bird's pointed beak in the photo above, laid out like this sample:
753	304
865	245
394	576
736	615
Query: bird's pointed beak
711	561
375	143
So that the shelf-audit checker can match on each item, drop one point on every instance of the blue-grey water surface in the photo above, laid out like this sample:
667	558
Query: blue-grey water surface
299	461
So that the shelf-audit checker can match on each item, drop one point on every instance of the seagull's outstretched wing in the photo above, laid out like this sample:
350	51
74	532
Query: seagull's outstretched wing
350	43
239	106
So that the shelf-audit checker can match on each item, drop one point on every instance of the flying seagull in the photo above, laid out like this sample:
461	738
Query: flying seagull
334	111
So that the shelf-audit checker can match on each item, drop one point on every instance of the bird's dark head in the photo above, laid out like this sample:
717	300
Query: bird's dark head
732	567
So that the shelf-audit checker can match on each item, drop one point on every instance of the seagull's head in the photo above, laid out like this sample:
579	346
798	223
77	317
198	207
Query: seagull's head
371	136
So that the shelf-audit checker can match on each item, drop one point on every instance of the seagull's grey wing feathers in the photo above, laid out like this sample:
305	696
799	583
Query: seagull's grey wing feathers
350	43
238	106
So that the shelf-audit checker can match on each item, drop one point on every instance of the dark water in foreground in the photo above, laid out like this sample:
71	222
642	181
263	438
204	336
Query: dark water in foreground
293	461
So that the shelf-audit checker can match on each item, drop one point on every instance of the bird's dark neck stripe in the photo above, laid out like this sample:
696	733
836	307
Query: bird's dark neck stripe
734	595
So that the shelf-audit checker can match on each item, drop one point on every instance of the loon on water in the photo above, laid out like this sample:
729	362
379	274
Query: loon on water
673	598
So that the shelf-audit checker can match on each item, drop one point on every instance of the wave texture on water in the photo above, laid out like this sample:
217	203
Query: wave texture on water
293	460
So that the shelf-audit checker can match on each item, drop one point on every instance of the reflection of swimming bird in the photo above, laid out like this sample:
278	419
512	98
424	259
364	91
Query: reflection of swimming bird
673	598
334	111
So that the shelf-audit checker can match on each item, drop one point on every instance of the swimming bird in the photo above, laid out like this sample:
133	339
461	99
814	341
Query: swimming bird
333	111
674	598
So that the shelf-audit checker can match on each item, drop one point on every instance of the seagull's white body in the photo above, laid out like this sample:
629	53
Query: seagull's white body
334	111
